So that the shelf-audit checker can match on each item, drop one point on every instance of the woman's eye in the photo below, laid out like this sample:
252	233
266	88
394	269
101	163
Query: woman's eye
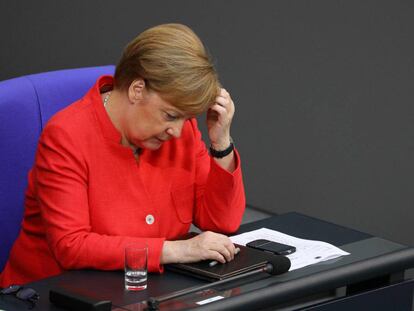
170	117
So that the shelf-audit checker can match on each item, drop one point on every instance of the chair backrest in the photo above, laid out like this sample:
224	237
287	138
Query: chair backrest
26	103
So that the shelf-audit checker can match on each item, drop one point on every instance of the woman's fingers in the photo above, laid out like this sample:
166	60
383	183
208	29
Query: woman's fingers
219	118
205	246
217	257
225	101
220	110
215	246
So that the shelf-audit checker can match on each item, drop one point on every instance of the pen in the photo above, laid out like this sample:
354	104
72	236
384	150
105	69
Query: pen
215	262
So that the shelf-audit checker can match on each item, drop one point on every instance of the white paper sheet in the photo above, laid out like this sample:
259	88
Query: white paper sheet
308	252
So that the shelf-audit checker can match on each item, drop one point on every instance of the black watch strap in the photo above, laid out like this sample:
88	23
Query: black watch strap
221	153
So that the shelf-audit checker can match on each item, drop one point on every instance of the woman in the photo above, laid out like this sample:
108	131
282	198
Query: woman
126	163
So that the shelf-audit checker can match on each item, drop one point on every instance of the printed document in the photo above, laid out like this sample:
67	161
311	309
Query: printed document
308	252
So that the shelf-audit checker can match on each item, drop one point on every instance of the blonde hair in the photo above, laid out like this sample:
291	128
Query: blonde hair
174	63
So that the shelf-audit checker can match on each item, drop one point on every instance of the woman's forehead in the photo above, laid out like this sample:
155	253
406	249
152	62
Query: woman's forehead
169	105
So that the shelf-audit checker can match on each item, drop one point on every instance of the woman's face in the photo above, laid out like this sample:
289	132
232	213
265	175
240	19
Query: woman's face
150	121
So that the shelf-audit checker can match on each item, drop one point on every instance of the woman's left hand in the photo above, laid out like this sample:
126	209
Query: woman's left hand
219	118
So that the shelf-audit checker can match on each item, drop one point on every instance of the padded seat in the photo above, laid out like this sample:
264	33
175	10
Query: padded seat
26	104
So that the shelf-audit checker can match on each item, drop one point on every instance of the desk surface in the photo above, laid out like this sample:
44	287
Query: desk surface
370	257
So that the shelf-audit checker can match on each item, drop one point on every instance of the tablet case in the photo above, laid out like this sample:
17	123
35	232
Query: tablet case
246	260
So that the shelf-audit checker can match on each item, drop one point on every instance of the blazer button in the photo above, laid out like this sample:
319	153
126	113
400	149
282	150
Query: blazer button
150	219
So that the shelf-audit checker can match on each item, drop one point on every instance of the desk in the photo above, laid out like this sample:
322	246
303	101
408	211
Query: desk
371	278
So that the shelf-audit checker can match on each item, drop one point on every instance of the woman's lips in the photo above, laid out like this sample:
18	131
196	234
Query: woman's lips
162	140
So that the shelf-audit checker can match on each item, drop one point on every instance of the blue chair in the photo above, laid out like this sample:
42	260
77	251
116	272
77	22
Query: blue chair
26	103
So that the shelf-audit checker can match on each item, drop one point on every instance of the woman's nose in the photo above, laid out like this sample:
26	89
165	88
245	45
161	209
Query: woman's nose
176	129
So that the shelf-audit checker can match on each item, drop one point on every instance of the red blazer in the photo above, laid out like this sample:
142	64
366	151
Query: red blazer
88	197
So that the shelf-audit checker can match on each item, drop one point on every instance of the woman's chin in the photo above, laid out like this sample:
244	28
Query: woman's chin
151	144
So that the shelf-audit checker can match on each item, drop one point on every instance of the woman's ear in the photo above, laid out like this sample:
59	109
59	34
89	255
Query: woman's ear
135	90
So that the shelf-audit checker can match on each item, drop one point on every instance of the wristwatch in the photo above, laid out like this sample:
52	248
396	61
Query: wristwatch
222	153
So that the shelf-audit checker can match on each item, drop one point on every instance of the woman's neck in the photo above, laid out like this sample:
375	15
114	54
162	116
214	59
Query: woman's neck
115	108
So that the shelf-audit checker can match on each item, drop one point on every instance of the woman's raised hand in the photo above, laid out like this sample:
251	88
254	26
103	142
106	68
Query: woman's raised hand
219	117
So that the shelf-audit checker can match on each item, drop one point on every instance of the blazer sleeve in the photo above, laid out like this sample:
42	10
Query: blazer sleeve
61	185
220	196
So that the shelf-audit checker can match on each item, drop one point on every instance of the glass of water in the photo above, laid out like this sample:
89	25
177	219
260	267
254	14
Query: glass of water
136	266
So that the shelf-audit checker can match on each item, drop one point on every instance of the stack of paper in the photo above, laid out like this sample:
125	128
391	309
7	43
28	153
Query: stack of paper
308	252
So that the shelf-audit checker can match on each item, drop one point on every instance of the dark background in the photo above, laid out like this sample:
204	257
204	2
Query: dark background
323	91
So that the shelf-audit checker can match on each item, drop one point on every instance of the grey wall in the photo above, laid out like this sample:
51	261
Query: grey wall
324	91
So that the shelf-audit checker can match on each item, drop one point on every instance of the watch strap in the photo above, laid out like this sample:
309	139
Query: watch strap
221	153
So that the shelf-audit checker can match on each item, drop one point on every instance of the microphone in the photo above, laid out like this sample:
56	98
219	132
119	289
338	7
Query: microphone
276	265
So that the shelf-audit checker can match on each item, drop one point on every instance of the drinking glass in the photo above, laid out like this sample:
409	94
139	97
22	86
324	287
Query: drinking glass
136	266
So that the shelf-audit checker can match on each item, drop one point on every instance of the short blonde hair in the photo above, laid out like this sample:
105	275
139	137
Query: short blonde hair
174	63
